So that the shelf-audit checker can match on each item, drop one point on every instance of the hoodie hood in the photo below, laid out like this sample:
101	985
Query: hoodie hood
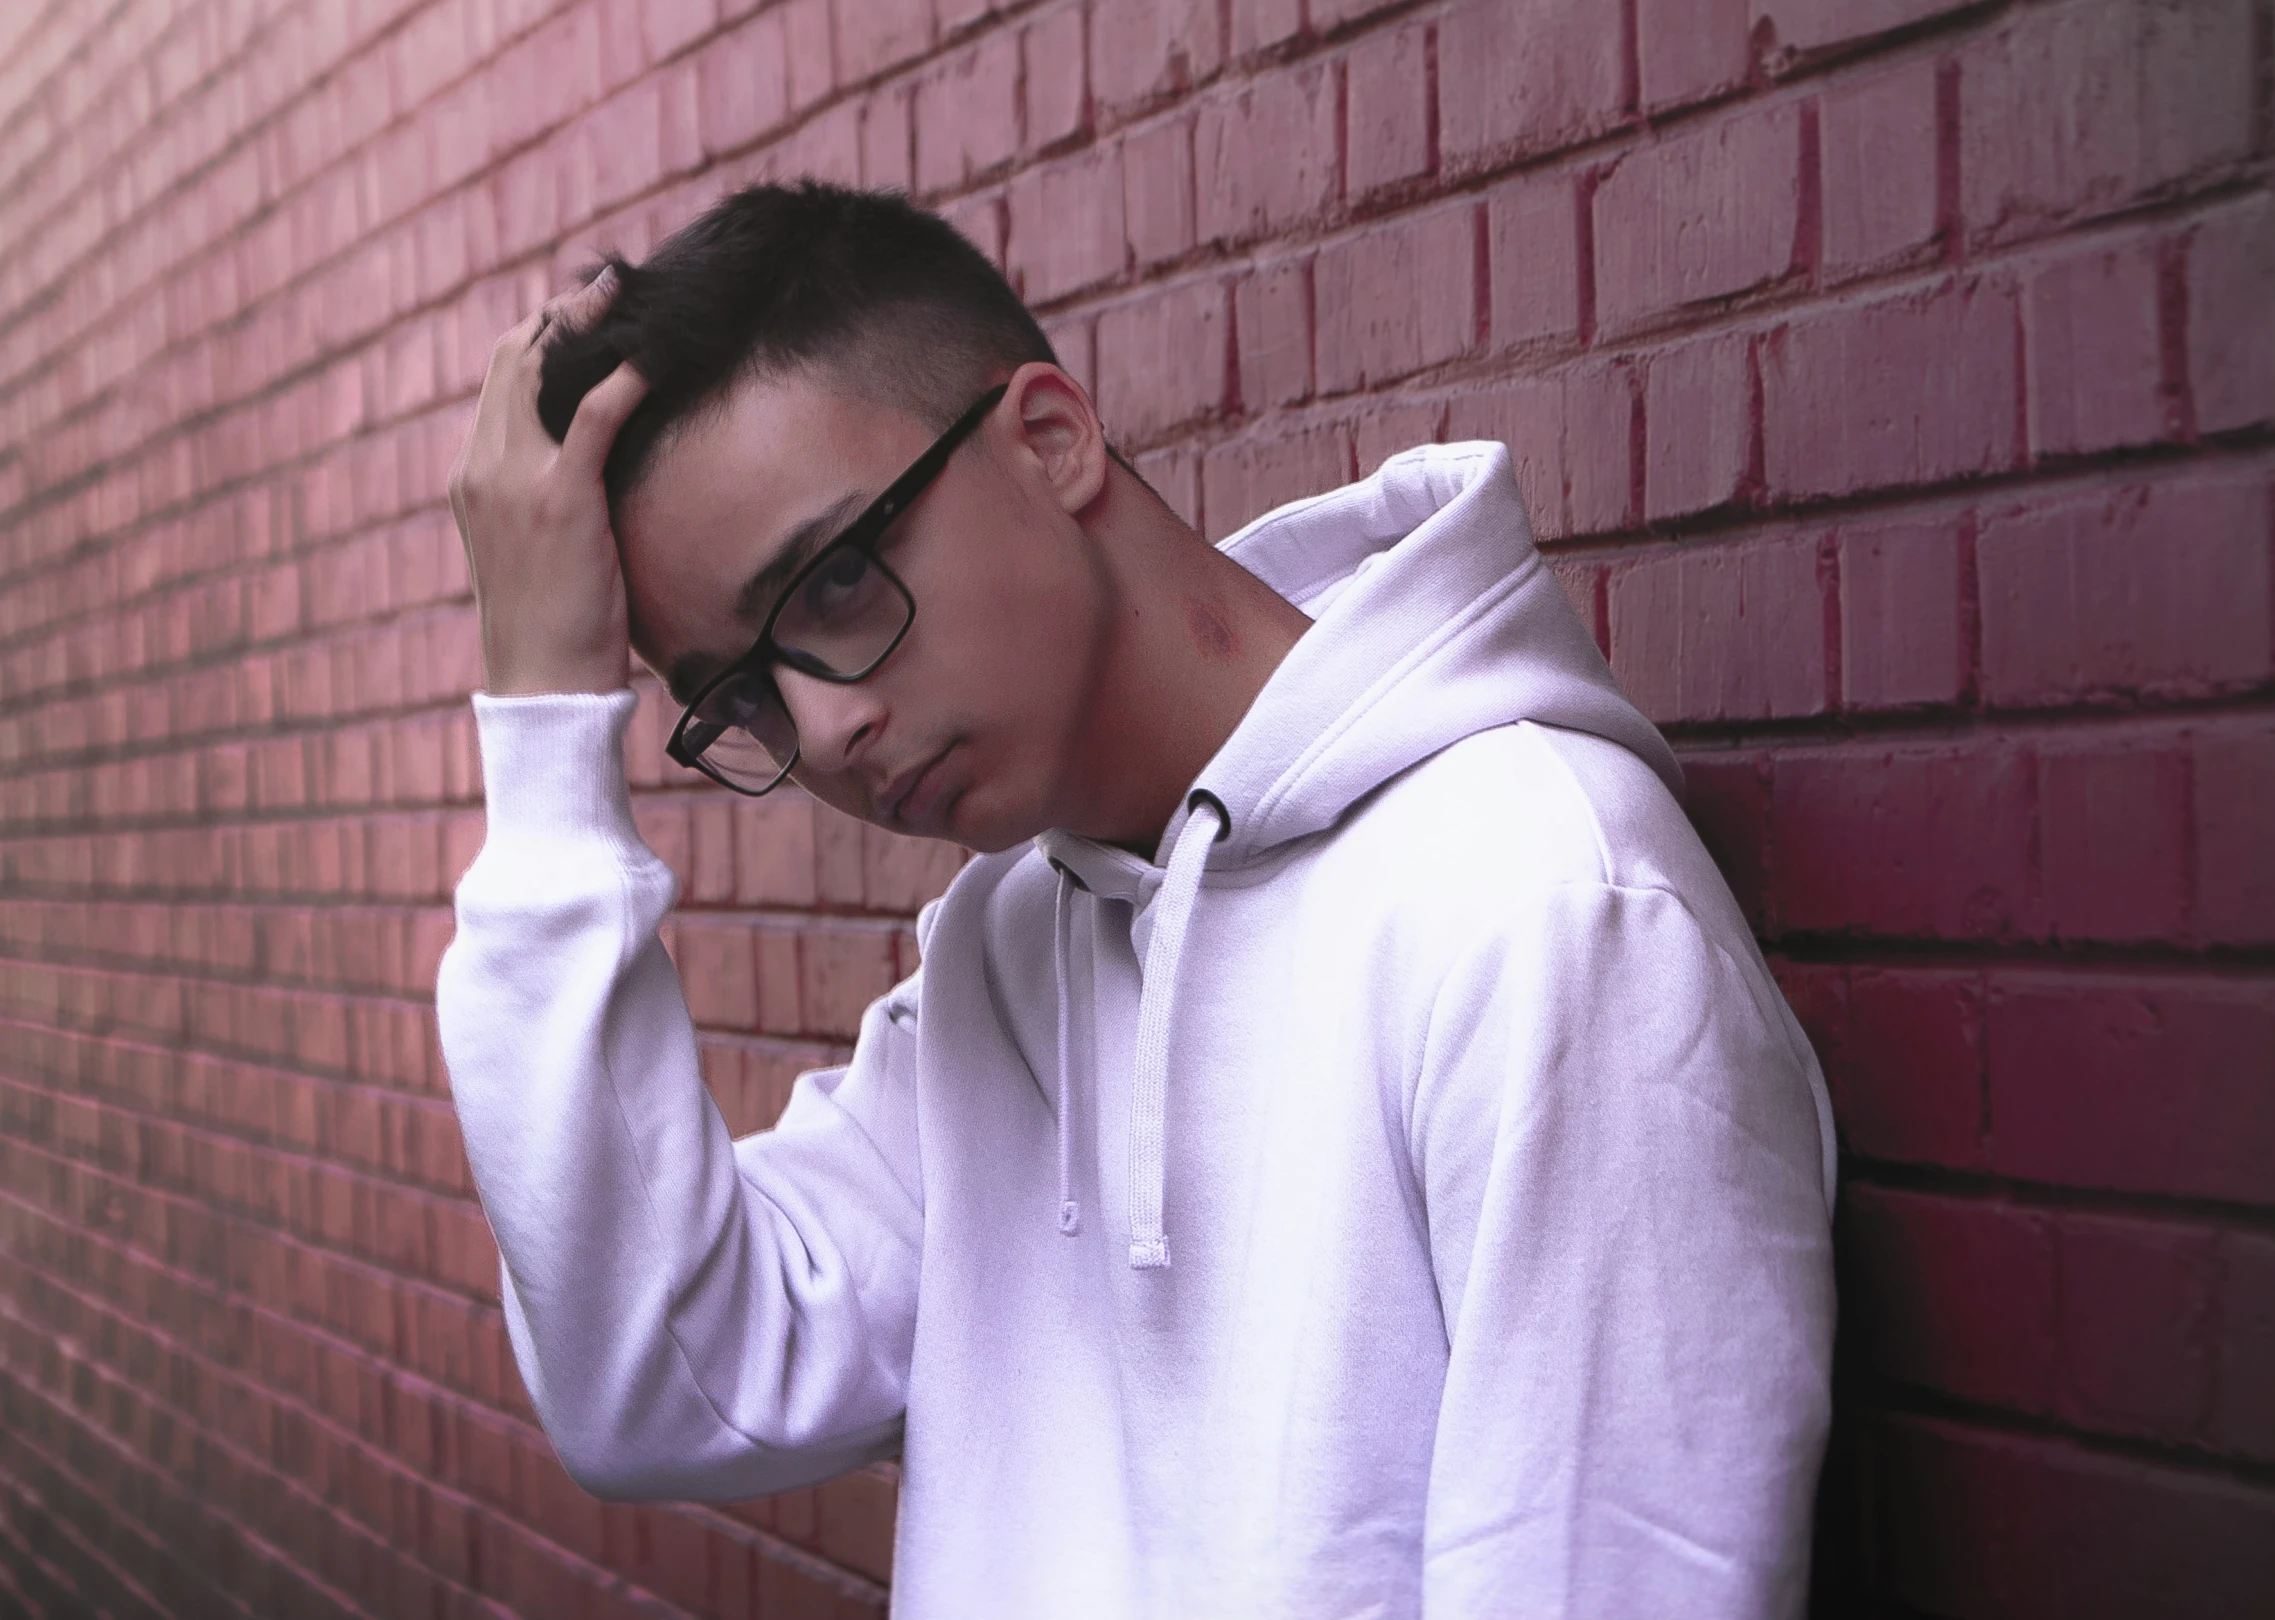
1433	618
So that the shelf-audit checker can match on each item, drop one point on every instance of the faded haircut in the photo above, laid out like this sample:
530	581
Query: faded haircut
861	288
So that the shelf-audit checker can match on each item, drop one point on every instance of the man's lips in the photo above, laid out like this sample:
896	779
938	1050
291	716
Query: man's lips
912	790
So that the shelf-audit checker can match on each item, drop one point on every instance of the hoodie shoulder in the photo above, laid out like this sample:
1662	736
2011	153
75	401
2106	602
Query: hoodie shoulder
1528	805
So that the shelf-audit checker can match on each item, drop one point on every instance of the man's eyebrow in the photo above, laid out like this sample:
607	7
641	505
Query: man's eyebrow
756	598
797	549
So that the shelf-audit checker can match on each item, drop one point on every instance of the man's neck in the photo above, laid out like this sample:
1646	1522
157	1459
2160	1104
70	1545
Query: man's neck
1194	639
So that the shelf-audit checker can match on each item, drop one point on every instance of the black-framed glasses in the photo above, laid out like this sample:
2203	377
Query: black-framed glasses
840	616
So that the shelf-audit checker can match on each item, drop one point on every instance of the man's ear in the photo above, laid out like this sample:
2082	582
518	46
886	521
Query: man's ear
1053	421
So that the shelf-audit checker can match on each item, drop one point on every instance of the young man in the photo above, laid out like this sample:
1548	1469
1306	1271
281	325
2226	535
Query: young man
1343	1154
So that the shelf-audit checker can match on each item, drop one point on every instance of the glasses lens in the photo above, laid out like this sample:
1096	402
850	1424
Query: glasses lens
844	613
741	730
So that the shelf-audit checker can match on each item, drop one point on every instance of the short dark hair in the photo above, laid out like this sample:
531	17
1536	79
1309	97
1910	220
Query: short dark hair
887	297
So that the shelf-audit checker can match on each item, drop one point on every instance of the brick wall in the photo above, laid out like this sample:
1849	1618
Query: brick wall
1893	380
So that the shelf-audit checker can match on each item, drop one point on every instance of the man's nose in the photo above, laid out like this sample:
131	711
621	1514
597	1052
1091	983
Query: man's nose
835	720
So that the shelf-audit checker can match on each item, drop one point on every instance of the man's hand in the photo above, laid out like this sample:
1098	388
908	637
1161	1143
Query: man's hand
547	580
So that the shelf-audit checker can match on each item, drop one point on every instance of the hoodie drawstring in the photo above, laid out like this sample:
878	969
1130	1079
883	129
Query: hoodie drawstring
1149	1087
1062	921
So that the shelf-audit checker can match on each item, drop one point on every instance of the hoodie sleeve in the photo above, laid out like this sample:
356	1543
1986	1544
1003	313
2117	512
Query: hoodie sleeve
1620	1155
694	1317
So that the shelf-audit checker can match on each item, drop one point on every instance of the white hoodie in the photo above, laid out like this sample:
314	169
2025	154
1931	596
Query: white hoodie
1408	1195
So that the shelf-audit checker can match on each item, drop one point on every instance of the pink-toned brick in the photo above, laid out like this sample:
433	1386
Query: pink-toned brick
1533	253
743	83
2231	324
1878	169
1396	298
2092	340
1382	433
2081	108
1698	426
807	42
1703	215
1719	632
1808	26
967	114
2232	788
1289	113
886	138
1903	632
2158	590
1521	76
1906	1072
1526	414
1260	24
1272	308
1975	1522
1067	228
2139	1302
1687	50
874	35
2113	839
1163	361
1245	478
1141	52
1388	117
1958	1294
1602	434
2243	1402
1157	190
1057	83
2129	1083
1907	841
1907	390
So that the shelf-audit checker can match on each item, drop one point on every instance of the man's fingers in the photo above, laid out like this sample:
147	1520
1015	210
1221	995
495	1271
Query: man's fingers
599	414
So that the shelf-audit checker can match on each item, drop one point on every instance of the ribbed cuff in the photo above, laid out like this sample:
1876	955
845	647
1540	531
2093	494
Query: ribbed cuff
554	762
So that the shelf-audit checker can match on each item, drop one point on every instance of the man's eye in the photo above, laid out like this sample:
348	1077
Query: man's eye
835	581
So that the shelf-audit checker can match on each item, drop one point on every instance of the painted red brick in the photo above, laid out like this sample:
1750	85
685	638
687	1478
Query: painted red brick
2082	108
1520	76
873	35
1983	1524
967	114
743	81
1290	114
1246	478
1387	129
1164	361
2139	1325
1916	841
1157	191
1057	84
1687	50
1722	633
1272	307
2113	840
1879	169
1698	423
1395	299
1908	390
2158	590
1528	416
1066	225
2231	335
2134	1084
1904	636
1601	479
1959	1294
2243	1399
1141	52
1533	250
1905	1066
2092	337
1702	215
1804	26
2232	786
